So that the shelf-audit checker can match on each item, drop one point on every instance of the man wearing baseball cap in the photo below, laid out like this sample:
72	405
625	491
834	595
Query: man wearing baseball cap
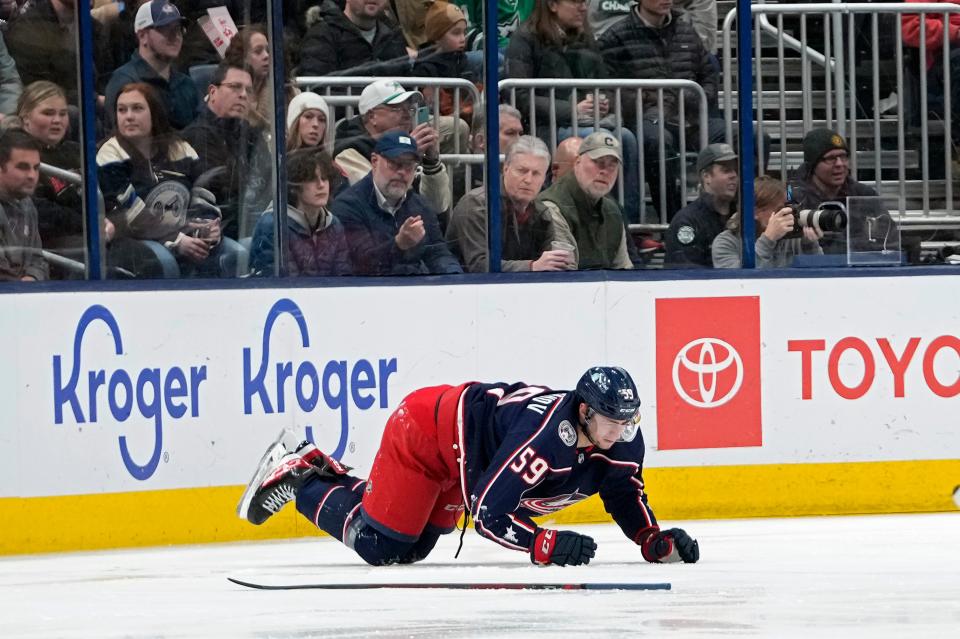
159	30
580	199
385	105
390	229
692	230
825	176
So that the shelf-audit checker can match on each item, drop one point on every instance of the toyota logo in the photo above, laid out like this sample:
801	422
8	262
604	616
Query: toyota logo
709	361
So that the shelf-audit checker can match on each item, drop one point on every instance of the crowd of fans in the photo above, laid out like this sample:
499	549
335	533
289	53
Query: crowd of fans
186	154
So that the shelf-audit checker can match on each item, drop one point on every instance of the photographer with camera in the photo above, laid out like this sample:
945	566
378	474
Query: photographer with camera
780	235
825	176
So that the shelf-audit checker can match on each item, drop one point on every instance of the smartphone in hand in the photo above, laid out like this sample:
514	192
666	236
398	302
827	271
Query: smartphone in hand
423	114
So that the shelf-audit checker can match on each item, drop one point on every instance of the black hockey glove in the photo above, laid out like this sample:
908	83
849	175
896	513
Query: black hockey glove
669	546
561	547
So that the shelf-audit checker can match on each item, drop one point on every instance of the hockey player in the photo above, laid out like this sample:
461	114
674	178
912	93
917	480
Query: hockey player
510	451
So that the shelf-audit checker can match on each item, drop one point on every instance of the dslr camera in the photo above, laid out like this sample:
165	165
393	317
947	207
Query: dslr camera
829	217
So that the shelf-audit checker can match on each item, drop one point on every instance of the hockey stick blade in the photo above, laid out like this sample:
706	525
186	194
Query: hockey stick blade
459	586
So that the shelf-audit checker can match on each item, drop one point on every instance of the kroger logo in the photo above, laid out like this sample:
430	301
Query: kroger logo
151	393
715	365
270	385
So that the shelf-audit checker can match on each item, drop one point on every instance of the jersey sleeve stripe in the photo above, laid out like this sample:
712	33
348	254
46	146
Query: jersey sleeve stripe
490	535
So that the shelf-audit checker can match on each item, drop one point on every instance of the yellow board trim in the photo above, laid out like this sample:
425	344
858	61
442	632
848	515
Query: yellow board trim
200	515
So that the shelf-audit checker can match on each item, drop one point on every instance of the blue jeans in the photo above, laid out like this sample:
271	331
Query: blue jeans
631	168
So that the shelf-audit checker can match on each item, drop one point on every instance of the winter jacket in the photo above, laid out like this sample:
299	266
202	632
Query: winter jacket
632	49
522	240
690	237
46	50
597	227
727	250
371	234
59	204
20	242
10	84
529	57
702	14
244	191
352	151
178	94
804	192
314	252
934	31
335	46
148	200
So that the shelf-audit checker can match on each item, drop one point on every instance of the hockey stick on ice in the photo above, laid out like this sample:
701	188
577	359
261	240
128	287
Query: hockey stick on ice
460	586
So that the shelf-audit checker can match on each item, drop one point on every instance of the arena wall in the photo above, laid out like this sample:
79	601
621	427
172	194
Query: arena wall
134	418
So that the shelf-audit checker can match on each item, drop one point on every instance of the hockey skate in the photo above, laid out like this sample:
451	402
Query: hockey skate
280	473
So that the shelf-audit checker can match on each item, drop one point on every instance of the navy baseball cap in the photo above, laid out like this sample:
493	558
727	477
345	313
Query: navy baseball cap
156	13
396	143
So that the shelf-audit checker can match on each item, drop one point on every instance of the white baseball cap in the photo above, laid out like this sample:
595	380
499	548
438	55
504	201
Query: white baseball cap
385	91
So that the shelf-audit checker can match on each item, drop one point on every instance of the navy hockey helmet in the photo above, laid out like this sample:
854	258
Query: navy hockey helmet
610	391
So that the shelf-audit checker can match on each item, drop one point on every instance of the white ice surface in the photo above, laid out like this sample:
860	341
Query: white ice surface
878	576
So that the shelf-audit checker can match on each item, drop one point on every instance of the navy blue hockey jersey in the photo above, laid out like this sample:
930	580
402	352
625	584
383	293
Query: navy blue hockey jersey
521	461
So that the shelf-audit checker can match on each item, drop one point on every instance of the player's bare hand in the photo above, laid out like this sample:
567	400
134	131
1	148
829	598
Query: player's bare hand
427	139
193	248
780	223
552	261
411	233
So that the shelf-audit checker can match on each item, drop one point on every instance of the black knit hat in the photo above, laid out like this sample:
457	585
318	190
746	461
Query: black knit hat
818	142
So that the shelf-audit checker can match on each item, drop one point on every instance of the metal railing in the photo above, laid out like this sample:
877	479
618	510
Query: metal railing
347	100
840	68
594	87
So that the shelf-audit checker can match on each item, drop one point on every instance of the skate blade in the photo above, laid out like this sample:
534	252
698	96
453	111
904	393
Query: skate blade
274	452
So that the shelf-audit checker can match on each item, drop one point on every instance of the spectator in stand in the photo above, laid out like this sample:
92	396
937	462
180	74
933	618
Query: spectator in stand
42	43
442	56
390	229
690	237
222	137
935	60
250	47
654	43
151	179
564	158
159	28
386	106
580	199
556	42
357	40
10	84
529	230
42	113
314	243
774	221
307	118
511	128
20	246
825	176
121	37
702	14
